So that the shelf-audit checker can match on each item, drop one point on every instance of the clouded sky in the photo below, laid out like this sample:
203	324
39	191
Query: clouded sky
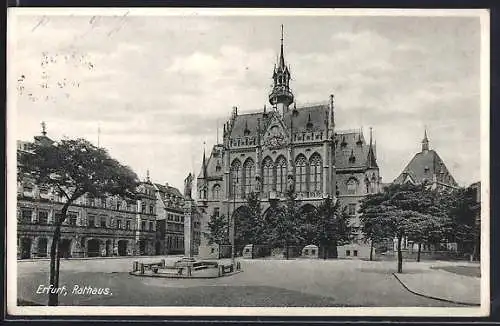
158	87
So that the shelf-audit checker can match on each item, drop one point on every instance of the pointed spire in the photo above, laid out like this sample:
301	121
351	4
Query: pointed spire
371	159
204	162
147	176
282	57
425	141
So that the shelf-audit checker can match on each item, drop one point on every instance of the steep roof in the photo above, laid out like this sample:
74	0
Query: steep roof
424	166
351	144
248	122
168	190
214	160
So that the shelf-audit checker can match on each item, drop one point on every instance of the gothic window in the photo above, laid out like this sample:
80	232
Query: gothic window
301	174
281	175
248	175
216	191
235	183
267	175
352	186
316	173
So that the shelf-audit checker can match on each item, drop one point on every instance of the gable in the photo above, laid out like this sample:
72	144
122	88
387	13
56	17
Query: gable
275	135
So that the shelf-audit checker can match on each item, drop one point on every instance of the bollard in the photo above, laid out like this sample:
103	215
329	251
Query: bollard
221	270
135	266
142	268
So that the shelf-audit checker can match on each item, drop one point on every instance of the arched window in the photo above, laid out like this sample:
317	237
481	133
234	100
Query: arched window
267	175
352	186
248	175
235	178
281	175
216	191
301	174
316	173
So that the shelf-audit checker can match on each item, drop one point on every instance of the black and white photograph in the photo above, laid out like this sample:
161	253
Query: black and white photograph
274	162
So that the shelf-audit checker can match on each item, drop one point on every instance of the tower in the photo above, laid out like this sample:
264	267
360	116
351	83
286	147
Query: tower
425	142
281	95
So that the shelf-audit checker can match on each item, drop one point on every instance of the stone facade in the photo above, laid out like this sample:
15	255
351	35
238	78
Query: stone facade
94	227
285	147
170	218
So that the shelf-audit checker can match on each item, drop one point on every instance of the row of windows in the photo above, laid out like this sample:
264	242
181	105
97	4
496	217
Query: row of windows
175	217
174	242
175	227
92	220
308	175
354	253
97	202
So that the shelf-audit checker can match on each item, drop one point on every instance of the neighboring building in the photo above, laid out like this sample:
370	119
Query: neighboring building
170	217
427	166
286	146
106	226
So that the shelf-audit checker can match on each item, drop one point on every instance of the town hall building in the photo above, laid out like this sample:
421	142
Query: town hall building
286	146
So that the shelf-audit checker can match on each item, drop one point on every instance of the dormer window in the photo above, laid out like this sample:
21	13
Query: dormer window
343	143
352	158
246	132
309	124
359	142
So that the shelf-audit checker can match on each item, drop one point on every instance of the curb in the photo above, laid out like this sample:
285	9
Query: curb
434	298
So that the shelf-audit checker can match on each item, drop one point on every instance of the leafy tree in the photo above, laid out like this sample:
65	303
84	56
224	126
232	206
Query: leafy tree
250	224
403	211
370	219
286	227
74	168
463	210
217	230
217	227
332	227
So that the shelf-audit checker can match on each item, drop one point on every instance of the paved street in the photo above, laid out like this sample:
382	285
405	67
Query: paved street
262	283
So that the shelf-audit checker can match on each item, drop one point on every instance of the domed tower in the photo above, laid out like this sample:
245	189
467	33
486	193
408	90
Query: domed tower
281	95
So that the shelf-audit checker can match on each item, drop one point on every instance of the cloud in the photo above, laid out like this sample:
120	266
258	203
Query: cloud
160	86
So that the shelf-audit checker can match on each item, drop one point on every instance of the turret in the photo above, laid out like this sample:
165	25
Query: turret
281	95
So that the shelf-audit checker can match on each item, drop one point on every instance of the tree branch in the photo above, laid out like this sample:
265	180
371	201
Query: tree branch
64	192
